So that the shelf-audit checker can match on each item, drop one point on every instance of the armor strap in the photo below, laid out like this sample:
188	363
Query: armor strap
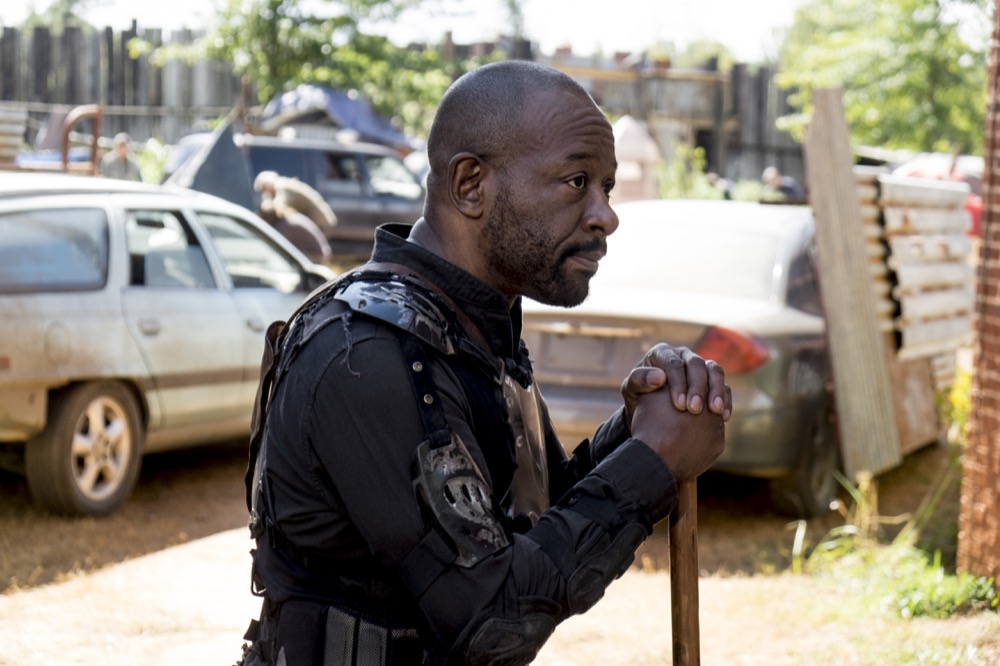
428	403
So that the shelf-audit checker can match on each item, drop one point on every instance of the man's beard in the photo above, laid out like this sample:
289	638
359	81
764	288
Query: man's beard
519	253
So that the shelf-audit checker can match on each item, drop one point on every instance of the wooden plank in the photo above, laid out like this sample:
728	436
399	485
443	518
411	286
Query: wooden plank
908	191
916	409
875	251
935	247
872	230
866	413
910	220
867	174
933	347
935	304
944	367
911	278
955	331
868	192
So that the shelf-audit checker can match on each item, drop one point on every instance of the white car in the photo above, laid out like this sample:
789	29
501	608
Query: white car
133	320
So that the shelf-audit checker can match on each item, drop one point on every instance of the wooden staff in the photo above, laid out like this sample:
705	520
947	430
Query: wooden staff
684	576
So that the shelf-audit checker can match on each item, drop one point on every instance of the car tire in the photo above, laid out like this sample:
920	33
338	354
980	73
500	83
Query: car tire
810	489
86	461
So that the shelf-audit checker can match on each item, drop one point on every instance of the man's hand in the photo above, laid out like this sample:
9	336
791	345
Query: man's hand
691	381
686	442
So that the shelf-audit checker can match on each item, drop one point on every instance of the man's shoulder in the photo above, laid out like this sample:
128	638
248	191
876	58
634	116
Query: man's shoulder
403	303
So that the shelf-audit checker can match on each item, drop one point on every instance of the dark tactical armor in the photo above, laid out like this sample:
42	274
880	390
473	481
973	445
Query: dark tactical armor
330	604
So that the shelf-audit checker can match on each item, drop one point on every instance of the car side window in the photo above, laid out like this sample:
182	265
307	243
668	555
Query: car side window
64	249
339	174
250	258
803	287
163	252
390	176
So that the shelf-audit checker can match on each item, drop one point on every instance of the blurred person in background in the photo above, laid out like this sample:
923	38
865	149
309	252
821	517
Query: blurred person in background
291	223
293	193
786	186
119	162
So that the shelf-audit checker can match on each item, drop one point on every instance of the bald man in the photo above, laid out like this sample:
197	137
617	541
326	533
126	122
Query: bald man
410	501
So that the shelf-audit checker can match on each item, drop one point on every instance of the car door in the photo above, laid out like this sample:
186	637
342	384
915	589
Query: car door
267	285
188	329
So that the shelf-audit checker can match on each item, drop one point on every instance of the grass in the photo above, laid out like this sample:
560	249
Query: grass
897	577
908	595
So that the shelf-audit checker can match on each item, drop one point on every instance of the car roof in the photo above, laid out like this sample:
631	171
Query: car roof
23	184
721	213
317	143
19	184
29	183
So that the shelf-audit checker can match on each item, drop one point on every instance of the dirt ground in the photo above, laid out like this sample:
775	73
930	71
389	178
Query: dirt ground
191	494
194	500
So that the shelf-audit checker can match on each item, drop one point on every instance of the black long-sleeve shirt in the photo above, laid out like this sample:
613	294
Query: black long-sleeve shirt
341	435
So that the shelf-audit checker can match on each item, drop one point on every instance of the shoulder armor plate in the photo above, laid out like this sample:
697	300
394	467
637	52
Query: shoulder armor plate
402	305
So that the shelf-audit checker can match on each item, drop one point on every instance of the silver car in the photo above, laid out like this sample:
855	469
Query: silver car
734	281
133	319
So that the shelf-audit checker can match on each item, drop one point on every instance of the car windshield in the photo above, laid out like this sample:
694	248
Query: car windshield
53	250
693	257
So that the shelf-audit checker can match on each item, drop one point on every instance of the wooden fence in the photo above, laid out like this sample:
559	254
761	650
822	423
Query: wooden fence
47	74
731	115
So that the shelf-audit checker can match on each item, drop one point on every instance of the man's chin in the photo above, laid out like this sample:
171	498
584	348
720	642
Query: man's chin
567	295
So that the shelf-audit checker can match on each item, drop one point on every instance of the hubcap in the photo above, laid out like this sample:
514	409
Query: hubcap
102	447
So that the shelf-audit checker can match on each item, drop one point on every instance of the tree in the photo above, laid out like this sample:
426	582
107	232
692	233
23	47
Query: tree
278	44
58	15
913	72
701	51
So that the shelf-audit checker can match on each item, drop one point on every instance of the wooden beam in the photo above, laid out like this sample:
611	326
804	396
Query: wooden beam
866	410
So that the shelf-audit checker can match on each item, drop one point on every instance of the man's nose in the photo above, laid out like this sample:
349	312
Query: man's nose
600	216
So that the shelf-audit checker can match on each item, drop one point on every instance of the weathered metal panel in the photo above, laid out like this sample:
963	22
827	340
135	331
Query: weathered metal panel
916	409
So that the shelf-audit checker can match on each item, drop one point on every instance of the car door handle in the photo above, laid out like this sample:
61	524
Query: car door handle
256	324
149	326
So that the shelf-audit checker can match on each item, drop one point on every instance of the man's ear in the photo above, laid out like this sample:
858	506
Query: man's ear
466	185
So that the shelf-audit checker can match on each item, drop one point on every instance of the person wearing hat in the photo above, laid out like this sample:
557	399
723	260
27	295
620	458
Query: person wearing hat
119	162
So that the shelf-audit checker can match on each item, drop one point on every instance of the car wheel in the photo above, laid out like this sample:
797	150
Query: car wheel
811	487
87	459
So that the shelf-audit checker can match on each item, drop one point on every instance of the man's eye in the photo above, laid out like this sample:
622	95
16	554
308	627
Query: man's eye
578	183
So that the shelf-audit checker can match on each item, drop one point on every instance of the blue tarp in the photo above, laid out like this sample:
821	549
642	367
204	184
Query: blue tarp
311	103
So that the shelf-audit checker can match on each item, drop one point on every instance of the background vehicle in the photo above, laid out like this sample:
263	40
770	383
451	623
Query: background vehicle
133	322
365	184
734	281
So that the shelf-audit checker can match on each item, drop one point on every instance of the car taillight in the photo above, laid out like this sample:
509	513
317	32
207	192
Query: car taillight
735	352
